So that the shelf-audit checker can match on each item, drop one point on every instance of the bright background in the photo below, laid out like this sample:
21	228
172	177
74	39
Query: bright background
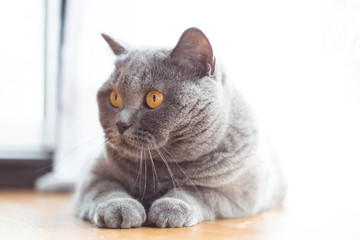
21	72
297	62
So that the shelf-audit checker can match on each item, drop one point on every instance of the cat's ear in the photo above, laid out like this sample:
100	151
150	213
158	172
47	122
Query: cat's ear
115	47
194	50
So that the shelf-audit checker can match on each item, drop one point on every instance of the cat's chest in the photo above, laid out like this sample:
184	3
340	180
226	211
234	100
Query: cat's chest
144	179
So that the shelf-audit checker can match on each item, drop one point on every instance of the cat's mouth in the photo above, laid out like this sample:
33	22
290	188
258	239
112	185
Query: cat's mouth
132	141
140	138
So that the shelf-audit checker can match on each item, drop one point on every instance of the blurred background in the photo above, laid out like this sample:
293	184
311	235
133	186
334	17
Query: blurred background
297	63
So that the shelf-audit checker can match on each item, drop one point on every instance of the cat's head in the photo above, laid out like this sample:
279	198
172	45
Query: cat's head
163	98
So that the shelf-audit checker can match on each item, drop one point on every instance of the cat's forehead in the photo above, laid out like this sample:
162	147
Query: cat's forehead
139	69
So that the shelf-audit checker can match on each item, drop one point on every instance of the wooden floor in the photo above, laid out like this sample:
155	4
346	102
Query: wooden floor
29	215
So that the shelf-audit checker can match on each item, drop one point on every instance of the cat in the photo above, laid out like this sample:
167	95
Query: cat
182	145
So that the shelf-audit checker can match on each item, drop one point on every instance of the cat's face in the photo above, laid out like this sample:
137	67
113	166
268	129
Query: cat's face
161	98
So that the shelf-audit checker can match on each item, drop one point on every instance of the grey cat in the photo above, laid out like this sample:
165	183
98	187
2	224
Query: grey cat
182	145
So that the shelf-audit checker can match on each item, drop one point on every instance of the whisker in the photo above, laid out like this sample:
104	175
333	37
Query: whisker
138	172
40	170
82	145
145	164
141	167
154	171
167	166
181	169
67	172
60	158
85	156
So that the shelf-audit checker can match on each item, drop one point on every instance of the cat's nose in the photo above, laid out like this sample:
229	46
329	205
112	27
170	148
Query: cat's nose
123	120
122	126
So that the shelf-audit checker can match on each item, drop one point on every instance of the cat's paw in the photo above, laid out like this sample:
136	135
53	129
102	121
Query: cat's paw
119	213
172	212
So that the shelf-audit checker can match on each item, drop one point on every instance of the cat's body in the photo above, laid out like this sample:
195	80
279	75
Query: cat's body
198	156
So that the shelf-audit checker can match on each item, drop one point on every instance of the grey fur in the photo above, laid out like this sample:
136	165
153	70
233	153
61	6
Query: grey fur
199	156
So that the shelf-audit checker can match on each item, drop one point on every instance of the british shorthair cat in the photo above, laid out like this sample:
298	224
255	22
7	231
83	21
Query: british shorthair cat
182	145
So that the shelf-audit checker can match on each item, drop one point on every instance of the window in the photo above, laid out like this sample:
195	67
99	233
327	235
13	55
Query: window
26	62
28	80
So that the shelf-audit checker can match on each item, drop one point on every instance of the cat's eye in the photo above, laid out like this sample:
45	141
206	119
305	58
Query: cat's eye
115	99
154	99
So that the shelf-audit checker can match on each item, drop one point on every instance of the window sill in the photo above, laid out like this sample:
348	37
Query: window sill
19	169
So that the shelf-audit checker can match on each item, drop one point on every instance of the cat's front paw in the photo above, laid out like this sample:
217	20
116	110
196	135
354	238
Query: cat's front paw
172	212
119	213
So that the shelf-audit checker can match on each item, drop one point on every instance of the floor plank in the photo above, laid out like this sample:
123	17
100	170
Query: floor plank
31	215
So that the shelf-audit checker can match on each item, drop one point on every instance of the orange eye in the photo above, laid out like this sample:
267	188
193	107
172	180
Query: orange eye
115	99
154	99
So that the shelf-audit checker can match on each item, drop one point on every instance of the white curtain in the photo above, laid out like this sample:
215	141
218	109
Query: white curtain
297	62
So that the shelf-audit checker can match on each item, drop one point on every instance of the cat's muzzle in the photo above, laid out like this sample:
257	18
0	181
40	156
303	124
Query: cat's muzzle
139	138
